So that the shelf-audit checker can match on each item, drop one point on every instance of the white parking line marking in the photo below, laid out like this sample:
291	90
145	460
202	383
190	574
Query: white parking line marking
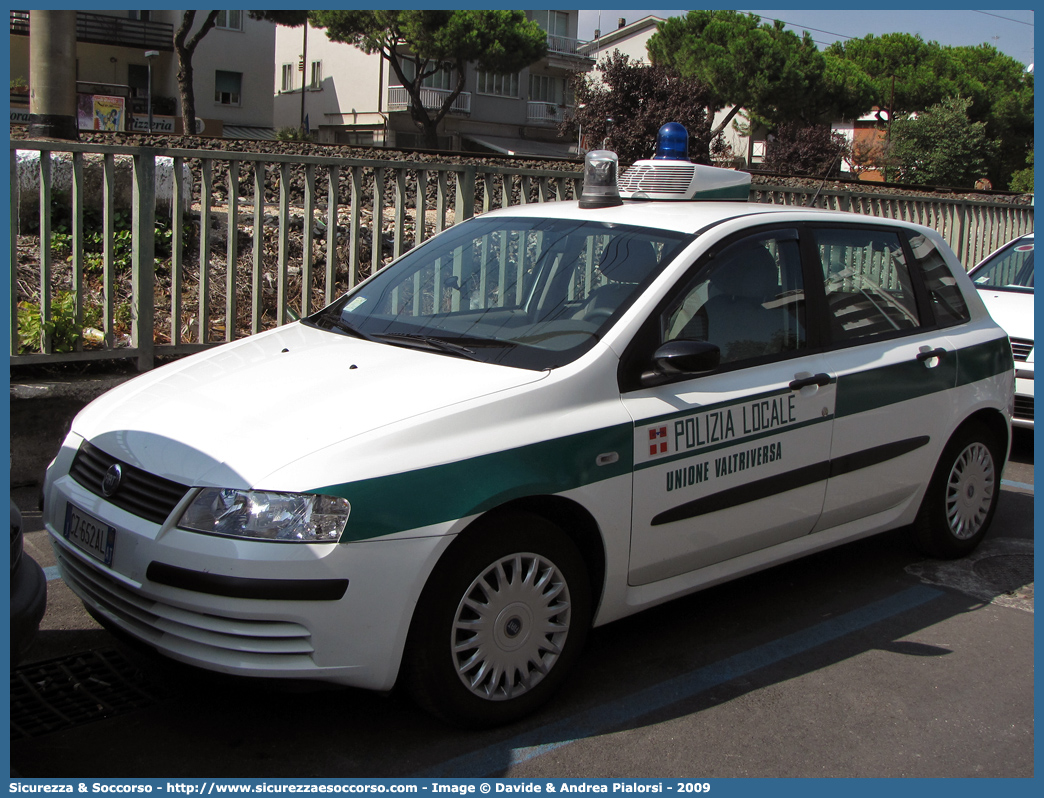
1007	483
600	719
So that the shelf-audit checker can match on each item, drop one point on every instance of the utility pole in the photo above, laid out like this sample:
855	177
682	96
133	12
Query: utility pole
149	55
888	130
304	77
52	75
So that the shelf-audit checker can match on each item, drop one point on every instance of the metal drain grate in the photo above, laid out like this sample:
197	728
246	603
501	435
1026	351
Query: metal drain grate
62	693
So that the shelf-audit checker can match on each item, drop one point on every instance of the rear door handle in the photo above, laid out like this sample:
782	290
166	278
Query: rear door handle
928	354
812	379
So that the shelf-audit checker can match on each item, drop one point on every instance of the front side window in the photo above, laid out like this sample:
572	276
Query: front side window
1008	270
748	300
532	293
228	87
316	77
867	282
288	78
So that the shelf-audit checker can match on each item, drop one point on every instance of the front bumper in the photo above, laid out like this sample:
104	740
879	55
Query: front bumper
332	612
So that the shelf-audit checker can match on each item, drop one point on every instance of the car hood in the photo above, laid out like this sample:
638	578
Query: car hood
230	416
1011	310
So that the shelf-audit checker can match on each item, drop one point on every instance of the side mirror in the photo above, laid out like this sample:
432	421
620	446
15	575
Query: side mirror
676	359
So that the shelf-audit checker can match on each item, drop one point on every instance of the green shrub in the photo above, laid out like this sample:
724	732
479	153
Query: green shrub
293	134
941	146
62	326
122	244
1022	180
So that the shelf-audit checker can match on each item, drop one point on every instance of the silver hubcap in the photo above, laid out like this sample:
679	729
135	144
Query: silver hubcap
969	491
510	627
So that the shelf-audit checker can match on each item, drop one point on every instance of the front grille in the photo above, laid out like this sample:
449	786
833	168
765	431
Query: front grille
257	644
1024	407
141	493
1021	348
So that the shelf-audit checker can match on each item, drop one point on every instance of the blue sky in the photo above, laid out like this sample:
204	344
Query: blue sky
1010	31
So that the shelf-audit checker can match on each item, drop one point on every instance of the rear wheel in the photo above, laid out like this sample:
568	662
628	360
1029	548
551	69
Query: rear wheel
962	495
500	623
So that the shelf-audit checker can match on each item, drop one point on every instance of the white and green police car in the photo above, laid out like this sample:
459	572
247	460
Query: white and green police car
545	418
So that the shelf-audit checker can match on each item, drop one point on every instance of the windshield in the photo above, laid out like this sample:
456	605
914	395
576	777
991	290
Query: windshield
531	293
1008	270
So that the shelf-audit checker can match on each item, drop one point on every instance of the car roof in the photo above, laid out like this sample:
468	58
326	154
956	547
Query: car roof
682	217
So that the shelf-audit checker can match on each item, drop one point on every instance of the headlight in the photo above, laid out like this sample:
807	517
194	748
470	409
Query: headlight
295	517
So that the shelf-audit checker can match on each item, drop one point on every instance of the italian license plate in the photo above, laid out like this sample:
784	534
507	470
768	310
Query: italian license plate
89	534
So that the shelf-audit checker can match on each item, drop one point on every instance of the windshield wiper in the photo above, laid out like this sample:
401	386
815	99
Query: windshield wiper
441	345
429	342
333	320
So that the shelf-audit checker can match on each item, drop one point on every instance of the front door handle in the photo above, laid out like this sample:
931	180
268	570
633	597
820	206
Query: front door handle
812	379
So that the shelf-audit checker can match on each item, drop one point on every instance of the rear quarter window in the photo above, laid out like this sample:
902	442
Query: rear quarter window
947	302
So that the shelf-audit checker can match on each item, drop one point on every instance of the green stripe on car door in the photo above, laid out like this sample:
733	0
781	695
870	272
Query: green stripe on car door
869	389
413	499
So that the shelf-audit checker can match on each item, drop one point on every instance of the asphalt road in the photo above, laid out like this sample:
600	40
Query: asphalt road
863	661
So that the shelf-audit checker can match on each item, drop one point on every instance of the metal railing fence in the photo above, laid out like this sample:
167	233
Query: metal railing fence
249	242
111	258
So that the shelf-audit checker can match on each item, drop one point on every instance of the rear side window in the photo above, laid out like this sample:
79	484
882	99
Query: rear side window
948	305
867	283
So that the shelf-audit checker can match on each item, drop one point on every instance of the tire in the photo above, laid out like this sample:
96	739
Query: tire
499	624
962	495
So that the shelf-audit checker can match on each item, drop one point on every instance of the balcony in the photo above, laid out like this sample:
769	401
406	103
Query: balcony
543	113
432	99
563	45
115	31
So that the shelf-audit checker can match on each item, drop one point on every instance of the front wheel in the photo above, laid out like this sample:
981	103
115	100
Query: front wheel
500	623
962	495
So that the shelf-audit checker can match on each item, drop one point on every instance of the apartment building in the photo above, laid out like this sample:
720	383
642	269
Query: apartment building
344	96
125	57
631	39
